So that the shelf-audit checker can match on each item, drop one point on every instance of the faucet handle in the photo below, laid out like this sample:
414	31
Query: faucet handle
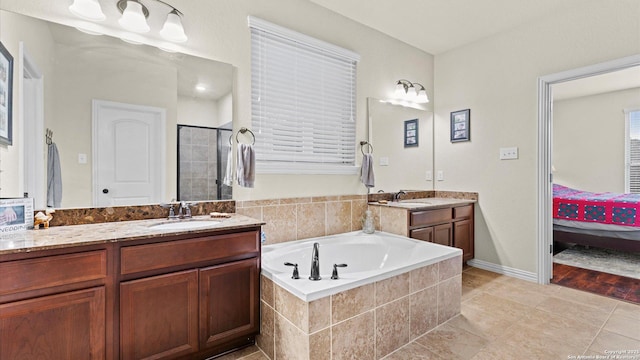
172	213
295	270
334	275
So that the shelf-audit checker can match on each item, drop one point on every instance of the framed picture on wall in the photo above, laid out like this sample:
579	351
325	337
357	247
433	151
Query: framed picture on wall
6	96
411	133
460	130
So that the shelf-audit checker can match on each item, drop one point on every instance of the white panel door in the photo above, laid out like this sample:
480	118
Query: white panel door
129	154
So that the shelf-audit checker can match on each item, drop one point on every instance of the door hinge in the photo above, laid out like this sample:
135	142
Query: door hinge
550	248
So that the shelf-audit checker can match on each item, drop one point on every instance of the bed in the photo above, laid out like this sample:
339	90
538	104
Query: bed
604	220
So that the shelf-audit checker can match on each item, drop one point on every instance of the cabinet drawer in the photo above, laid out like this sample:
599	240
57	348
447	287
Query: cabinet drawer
462	212
31	274
147	257
429	217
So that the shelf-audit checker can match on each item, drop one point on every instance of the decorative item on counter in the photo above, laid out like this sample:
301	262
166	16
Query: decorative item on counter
43	219
219	215
16	215
383	202
368	227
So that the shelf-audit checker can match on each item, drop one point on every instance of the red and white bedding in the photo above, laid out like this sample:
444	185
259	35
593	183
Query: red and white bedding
603	208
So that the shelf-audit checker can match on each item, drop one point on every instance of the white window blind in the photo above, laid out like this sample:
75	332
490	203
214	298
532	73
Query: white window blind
302	102
632	161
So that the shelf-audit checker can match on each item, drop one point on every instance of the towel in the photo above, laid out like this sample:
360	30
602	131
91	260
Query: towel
54	177
228	174
366	171
246	166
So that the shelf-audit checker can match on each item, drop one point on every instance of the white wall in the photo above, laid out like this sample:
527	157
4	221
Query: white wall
588	140
497	79
218	30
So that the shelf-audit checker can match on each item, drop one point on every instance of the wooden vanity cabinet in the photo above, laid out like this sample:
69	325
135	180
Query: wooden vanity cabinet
447	226
191	298
55	305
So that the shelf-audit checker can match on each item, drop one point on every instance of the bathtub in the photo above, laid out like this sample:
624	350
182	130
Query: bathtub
370	258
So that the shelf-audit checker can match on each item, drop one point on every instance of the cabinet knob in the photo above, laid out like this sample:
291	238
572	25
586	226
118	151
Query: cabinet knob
105	191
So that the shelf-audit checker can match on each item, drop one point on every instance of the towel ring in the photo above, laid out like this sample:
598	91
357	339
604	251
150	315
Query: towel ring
370	147
244	130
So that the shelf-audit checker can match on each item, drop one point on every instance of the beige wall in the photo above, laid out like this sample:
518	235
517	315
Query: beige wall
218	30
588	140
497	79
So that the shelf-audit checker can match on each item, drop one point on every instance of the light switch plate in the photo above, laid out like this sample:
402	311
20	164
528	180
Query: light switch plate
82	158
510	153
440	175
429	175
384	161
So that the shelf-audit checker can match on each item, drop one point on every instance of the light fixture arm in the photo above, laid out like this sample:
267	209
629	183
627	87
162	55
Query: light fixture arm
122	4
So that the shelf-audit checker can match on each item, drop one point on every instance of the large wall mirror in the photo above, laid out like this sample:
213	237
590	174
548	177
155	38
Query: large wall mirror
399	162
66	71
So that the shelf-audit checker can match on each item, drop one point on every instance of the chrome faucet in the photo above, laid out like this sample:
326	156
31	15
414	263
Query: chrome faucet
396	196
185	211
315	263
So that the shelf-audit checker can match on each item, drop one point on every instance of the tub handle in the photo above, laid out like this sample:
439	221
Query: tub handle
295	270
334	275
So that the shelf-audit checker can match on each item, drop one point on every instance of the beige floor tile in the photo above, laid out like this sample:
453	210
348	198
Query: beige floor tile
247	353
624	325
498	306
518	293
539	345
450	342
559	327
481	272
413	351
628	310
585	298
608	341
477	281
573	310
482	323
469	292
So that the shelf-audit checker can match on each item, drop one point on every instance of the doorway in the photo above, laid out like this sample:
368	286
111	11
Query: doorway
545	151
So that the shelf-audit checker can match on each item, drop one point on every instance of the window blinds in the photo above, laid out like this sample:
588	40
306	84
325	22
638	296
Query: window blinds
302	102
633	152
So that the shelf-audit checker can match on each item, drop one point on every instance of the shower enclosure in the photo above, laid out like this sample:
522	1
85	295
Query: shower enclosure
202	160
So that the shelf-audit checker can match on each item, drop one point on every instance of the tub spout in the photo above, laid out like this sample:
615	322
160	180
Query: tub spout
315	263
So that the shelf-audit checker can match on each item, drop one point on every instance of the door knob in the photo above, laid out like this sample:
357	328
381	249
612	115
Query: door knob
105	191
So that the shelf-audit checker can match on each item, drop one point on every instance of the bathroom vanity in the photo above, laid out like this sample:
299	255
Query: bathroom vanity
443	221
129	291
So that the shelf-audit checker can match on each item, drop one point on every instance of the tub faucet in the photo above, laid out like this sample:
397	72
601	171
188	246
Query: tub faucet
315	263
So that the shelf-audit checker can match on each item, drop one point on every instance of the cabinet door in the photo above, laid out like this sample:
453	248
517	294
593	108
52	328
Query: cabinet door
425	234
229	302
64	326
463	238
442	234
159	316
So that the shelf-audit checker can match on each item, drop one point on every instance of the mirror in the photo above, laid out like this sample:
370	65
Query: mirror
397	166
75	68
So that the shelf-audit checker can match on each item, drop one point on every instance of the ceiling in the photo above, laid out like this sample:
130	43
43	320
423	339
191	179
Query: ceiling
437	26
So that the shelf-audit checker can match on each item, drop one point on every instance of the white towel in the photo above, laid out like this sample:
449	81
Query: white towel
54	177
246	166
366	171
228	174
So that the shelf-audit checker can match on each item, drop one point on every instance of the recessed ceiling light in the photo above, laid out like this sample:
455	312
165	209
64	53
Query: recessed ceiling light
201	87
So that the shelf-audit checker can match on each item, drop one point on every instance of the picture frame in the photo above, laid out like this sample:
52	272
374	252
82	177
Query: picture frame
411	138
6	96
16	215
460	129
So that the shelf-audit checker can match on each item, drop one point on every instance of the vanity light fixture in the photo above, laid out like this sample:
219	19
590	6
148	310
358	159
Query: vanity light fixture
134	17
406	91
87	9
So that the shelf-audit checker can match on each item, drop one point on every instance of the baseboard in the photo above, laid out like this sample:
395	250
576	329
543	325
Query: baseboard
504	270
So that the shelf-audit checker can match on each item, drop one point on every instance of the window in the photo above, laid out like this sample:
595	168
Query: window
302	102
632	151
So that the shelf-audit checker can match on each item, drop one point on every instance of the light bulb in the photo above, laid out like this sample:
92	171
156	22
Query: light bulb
87	9
172	29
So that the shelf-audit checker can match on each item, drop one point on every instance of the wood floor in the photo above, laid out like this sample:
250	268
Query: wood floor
615	286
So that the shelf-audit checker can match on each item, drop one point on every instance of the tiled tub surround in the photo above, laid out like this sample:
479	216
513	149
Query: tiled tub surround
368	321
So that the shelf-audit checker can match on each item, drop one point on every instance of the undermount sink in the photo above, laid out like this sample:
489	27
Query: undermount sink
184	225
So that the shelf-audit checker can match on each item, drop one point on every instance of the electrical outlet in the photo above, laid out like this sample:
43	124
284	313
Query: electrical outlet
510	153
429	175
440	175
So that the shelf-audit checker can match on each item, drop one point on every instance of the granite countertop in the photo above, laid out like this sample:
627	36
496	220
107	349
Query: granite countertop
425	203
75	235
